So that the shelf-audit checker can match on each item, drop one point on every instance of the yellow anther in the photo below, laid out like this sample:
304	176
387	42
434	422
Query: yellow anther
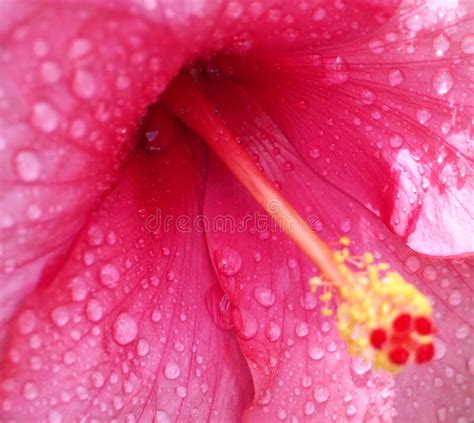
368	258
326	296
326	312
345	241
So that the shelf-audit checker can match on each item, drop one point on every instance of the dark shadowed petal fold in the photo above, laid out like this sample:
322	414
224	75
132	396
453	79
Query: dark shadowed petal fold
299	364
388	118
122	333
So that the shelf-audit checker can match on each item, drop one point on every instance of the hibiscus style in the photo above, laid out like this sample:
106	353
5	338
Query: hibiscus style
360	117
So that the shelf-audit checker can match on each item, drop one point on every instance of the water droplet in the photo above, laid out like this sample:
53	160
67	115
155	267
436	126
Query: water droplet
33	212
26	322
181	391
308	301
368	96
27	165
316	353
467	44
455	298
396	77
272	331
40	48
228	261
143	347
109	275
282	414
45	118
265	296
346	225
172	371
315	153
54	416
423	115
442	81
337	70
50	72
301	329
440	348
309	408
320	394
441	44
412	264
125	329
351	410
155	316
430	273
396	141
462	332
60	316
319	14
360	366
79	47
30	391
94	310
376	46
84	84
162	417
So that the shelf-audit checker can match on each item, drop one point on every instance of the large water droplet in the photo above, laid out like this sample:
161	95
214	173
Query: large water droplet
412	264
60	316
265	296
360	366
109	275
228	261
301	329
316	353
30	391
27	165
441	44
396	77
273	331
440	348
45	118
423	116
308	301
351	410
79	47
84	84
337	70
94	310
125	329
143	347
396	141
321	394
442	81
162	417
368	96
467	44
172	371
26	322
455	298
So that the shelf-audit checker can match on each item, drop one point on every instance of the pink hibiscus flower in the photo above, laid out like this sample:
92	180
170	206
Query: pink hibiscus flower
141	278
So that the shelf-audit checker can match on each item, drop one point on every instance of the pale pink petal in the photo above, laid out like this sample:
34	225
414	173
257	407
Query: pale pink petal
388	118
123	332
299	364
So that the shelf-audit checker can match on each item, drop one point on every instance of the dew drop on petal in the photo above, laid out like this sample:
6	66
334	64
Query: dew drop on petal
423	116
50	72
265	296
273	331
368	96
442	81
162	417
60	316
319	14
467	44
172	371
441	44
26	322
321	394
143	347
301	329
228	261
27	165
455	298
109	275
316	353
30	391
54	416
94	310
308	301
360	366
45	118
337	70
396	141
125	329
440	348
412	264
84	84
396	77
351	410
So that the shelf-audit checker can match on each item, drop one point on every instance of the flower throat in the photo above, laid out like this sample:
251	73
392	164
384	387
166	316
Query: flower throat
380	316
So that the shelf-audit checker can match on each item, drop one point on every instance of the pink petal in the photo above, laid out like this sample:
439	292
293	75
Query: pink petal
388	118
123	332
299	364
